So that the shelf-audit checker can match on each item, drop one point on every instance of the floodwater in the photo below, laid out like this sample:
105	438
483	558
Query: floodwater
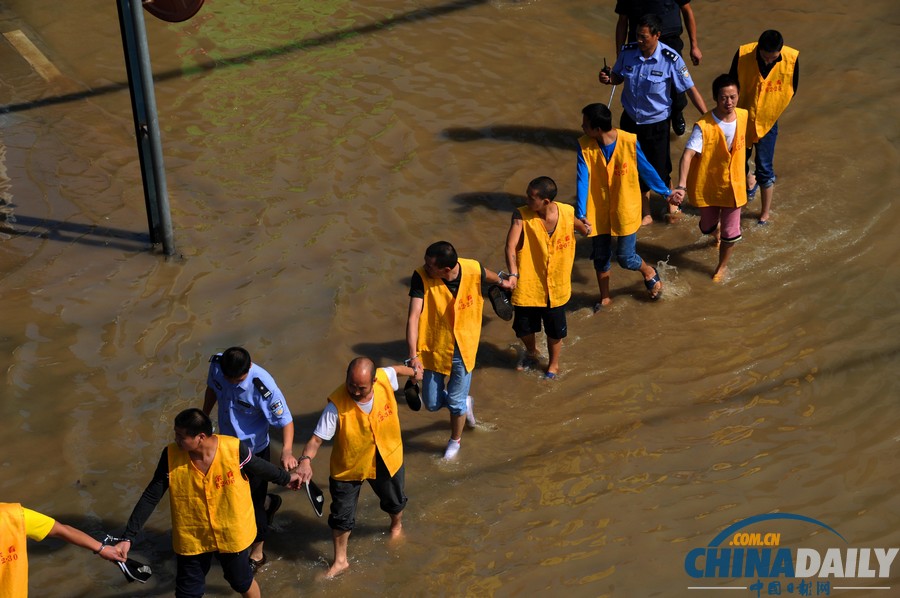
313	150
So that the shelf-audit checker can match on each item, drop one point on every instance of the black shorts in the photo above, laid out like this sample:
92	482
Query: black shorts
190	578
527	320
345	495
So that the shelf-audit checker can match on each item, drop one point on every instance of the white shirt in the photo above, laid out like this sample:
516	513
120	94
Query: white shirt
696	140
327	425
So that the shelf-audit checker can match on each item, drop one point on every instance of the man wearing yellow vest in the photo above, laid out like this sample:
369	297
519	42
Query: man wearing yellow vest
362	418
611	165
540	253
443	328
210	504
768	73
18	523
716	182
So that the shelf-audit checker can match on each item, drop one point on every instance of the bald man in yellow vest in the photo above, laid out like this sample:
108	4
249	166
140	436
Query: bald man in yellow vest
18	523
443	327
362	418
210	504
540	253
768	73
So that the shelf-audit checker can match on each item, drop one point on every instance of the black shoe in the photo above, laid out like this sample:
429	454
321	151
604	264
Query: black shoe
274	505
500	301
135	571
678	124
411	392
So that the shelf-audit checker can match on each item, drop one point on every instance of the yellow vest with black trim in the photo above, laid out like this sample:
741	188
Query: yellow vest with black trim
614	189
447	320
764	99
13	551
212	512
545	261
717	176
360	435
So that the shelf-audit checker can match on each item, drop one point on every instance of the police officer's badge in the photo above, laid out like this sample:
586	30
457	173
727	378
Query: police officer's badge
277	409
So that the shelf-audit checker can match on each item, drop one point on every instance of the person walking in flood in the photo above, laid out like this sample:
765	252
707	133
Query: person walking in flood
608	197
206	475
443	328
362	418
249	403
540	253
768	73
716	181
18	523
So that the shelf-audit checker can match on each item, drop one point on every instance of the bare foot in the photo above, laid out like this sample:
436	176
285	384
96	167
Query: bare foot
396	533
336	569
604	302
720	275
527	362
647	220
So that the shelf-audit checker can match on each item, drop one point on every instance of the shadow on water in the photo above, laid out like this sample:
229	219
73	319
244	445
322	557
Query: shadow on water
413	16
71	232
566	139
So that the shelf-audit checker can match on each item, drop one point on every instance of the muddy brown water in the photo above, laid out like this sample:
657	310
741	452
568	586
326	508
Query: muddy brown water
313	151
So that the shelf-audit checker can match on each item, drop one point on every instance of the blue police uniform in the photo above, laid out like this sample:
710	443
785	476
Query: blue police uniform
247	409
645	93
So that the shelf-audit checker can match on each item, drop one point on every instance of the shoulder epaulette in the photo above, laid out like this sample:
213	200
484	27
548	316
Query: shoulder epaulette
215	358
263	390
630	46
671	55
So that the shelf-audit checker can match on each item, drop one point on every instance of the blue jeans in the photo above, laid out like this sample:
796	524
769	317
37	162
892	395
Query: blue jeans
454	398
765	157
626	253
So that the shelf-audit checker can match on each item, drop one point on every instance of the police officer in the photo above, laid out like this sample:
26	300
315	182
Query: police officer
249	402
648	68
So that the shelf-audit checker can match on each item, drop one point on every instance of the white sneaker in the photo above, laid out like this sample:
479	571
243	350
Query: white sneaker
452	449
470	412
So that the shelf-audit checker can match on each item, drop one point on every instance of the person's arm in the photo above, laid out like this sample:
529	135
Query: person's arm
209	400
255	466
304	467
582	186
621	33
77	537
412	334
402	370
288	462
648	174
582	227
513	240
696	99
690	24
683	169
153	493
733	71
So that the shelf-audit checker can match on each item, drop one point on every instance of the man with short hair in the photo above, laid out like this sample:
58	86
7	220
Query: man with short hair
712	170
443	327
249	403
540	253
648	69
362	418
670	14
768	73
611	168
18	523
209	499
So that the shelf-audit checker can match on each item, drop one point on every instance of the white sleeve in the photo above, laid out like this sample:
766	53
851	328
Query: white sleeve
695	142
392	377
327	425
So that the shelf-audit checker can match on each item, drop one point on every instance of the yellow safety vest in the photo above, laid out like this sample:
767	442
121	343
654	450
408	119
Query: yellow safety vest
212	512
764	99
614	189
717	176
545	261
359	434
447	320
13	551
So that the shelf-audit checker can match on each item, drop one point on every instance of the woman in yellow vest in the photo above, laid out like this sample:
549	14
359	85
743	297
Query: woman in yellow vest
540	253
210	504
362	418
715	181
443	327
18	523
768	73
